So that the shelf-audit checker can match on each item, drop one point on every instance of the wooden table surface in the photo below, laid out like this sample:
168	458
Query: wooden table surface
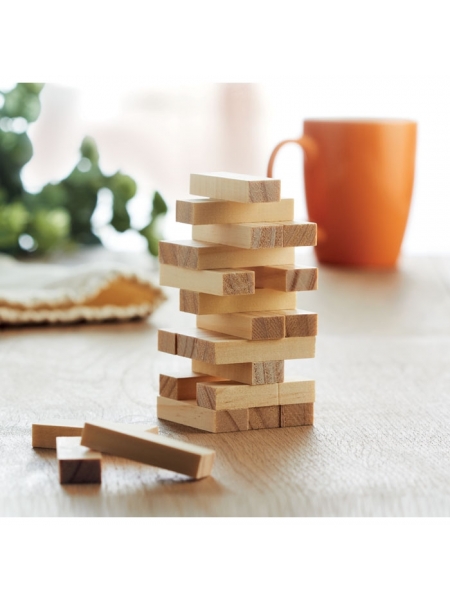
380	445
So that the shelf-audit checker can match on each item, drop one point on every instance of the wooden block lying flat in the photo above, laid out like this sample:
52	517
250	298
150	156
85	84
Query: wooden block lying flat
77	463
229	395
235	187
300	323
297	392
167	341
208	211
250	326
217	348
188	413
258	234
294	415
43	435
286	278
220	282
184	387
241	235
267	417
262	300
257	373
299	234
191	254
148	448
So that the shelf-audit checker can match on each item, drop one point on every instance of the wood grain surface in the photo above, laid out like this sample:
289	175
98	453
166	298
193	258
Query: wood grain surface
380	444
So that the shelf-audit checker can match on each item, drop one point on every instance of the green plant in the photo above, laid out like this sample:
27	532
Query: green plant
60	214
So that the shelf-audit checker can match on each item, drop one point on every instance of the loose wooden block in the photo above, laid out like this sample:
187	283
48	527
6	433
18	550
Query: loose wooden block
148	448
298	233
208	211
228	395
220	282
262	300
294	415
43	435
250	326
217	348
300	323
184	387
167	341
188	413
241	235
267	417
192	254
77	463
235	187
257	373
286	278
297	392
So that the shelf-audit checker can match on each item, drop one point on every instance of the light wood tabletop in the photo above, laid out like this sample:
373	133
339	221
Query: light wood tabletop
380	445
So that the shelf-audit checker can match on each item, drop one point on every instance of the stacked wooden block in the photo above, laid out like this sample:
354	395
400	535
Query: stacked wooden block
238	275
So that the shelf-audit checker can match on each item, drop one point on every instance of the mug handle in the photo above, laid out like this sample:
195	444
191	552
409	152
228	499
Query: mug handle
307	143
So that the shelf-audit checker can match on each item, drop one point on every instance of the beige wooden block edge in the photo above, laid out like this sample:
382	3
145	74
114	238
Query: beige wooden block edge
208	211
235	187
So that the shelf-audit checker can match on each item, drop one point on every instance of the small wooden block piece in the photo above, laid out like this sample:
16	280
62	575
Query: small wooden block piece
241	235
235	187
184	387
208	211
220	282
267	417
286	278
262	300
167	341
300	323
294	415
43	435
77	463
218	348
191	254
188	413
250	325
148	448
257	373
230	395
299	234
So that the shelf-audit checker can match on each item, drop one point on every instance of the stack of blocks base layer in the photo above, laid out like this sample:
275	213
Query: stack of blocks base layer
238	275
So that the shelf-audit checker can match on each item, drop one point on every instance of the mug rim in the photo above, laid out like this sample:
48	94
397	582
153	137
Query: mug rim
362	121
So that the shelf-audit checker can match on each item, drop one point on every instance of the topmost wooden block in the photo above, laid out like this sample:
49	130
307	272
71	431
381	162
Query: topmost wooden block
235	187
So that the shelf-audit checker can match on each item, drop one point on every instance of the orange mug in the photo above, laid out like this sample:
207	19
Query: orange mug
358	178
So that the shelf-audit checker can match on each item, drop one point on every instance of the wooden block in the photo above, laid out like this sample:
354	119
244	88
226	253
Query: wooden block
43	435
286	278
300	323
208	211
247	325
235	187
220	282
294	415
217	348
167	341
229	395
191	254
262	300
257	373
148	448
297	392
241	235
297	233
184	387
77	463
188	413
267	417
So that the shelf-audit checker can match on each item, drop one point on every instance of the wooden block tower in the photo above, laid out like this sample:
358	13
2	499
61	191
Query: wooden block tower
238	275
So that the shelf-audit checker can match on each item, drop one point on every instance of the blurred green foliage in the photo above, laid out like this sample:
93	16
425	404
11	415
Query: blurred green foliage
59	216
